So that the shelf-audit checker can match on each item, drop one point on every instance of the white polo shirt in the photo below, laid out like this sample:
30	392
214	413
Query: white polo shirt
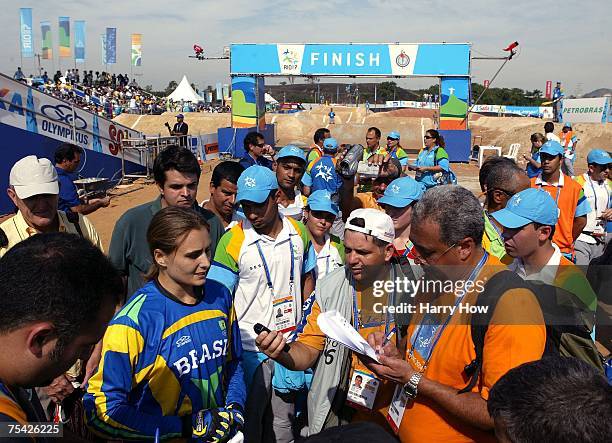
239	266
329	257
598	195
294	210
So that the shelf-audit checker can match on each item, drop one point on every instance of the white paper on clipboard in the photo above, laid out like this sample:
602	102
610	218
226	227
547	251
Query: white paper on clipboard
336	327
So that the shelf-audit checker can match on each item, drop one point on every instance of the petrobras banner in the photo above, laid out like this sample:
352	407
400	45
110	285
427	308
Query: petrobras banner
64	36
584	110
26	35
79	41
439	59
29	109
47	42
111	46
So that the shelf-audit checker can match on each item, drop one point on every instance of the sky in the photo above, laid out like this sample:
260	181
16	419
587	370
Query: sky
565	41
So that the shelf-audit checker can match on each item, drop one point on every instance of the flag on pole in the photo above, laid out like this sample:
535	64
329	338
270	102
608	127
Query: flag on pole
136	49
47	42
79	41
64	36
103	40
25	31
548	88
111	45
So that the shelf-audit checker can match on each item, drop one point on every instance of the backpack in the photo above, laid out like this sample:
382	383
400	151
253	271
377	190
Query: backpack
568	322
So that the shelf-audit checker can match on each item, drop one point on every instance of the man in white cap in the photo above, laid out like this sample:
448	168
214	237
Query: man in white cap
34	189
355	292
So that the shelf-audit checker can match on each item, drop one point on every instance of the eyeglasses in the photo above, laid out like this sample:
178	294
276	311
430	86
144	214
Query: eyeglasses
428	257
260	145
508	193
427	137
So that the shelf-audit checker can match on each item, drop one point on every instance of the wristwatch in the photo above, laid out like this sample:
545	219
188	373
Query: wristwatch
411	388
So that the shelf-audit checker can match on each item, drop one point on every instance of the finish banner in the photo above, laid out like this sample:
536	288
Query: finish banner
47	42
64	37
136	49
111	46
25	32
79	41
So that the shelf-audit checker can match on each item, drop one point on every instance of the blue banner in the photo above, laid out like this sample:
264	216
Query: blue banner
79	41
111	45
402	60
103	40
26	37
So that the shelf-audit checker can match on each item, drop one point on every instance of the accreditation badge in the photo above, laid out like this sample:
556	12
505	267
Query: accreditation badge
397	408
284	314
362	390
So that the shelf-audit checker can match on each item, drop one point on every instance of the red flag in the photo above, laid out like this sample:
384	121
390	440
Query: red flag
548	88
486	83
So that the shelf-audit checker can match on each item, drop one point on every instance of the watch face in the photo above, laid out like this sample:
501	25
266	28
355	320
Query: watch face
410	391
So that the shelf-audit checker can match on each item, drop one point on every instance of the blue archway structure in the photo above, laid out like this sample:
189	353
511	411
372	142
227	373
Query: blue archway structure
251	63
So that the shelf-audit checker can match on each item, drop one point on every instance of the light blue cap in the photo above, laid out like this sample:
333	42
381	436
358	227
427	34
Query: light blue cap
291	151
321	201
567	125
330	144
255	184
552	147
528	206
599	156
401	192
395	135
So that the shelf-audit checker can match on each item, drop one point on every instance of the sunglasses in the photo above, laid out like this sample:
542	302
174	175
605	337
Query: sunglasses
427	137
391	138
260	145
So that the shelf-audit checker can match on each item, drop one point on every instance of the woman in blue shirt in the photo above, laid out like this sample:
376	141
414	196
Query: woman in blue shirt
432	161
534	167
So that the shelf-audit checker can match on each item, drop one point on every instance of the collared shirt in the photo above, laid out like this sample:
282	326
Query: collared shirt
551	136
598	195
296	209
68	196
247	161
570	199
129	249
239	266
437	156
492	241
330	257
561	273
17	229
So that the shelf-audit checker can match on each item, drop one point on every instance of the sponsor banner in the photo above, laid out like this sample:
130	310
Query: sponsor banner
411	104
136	49
584	110
111	46
29	109
351	59
79	41
64	36
26	35
549	89
47	42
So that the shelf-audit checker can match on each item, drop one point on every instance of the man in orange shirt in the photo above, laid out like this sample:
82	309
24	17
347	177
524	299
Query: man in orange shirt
568	195
447	229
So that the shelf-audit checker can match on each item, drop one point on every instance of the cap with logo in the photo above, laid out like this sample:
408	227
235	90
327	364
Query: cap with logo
395	135
33	176
255	184
599	156
401	192
528	206
552	147
330	144
321	201
376	223
291	151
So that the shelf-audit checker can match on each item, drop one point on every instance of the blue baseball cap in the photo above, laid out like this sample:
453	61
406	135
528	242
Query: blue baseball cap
401	192
528	206
291	151
394	135
330	144
552	147
255	184
599	156
321	201
568	125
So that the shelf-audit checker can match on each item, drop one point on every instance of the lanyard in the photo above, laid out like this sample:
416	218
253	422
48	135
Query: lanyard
493	224
388	316
558	191
267	270
441	328
595	193
408	245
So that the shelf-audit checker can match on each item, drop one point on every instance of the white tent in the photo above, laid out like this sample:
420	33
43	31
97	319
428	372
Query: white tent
270	99
184	92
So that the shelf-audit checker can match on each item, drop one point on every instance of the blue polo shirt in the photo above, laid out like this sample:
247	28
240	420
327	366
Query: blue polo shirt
247	161
68	196
532	171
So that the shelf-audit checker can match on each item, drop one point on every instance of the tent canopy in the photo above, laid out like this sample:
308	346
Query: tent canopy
184	92
270	99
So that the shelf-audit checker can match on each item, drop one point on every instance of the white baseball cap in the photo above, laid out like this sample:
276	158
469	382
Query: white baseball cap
33	176
377	224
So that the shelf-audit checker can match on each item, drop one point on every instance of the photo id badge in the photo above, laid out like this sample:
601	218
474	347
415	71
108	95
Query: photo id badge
397	408
284	314
362	390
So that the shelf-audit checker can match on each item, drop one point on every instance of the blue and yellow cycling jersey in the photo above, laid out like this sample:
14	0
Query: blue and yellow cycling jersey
163	359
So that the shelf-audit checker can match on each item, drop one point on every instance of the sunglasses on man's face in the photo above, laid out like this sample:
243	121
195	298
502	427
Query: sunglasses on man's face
427	137
260	145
